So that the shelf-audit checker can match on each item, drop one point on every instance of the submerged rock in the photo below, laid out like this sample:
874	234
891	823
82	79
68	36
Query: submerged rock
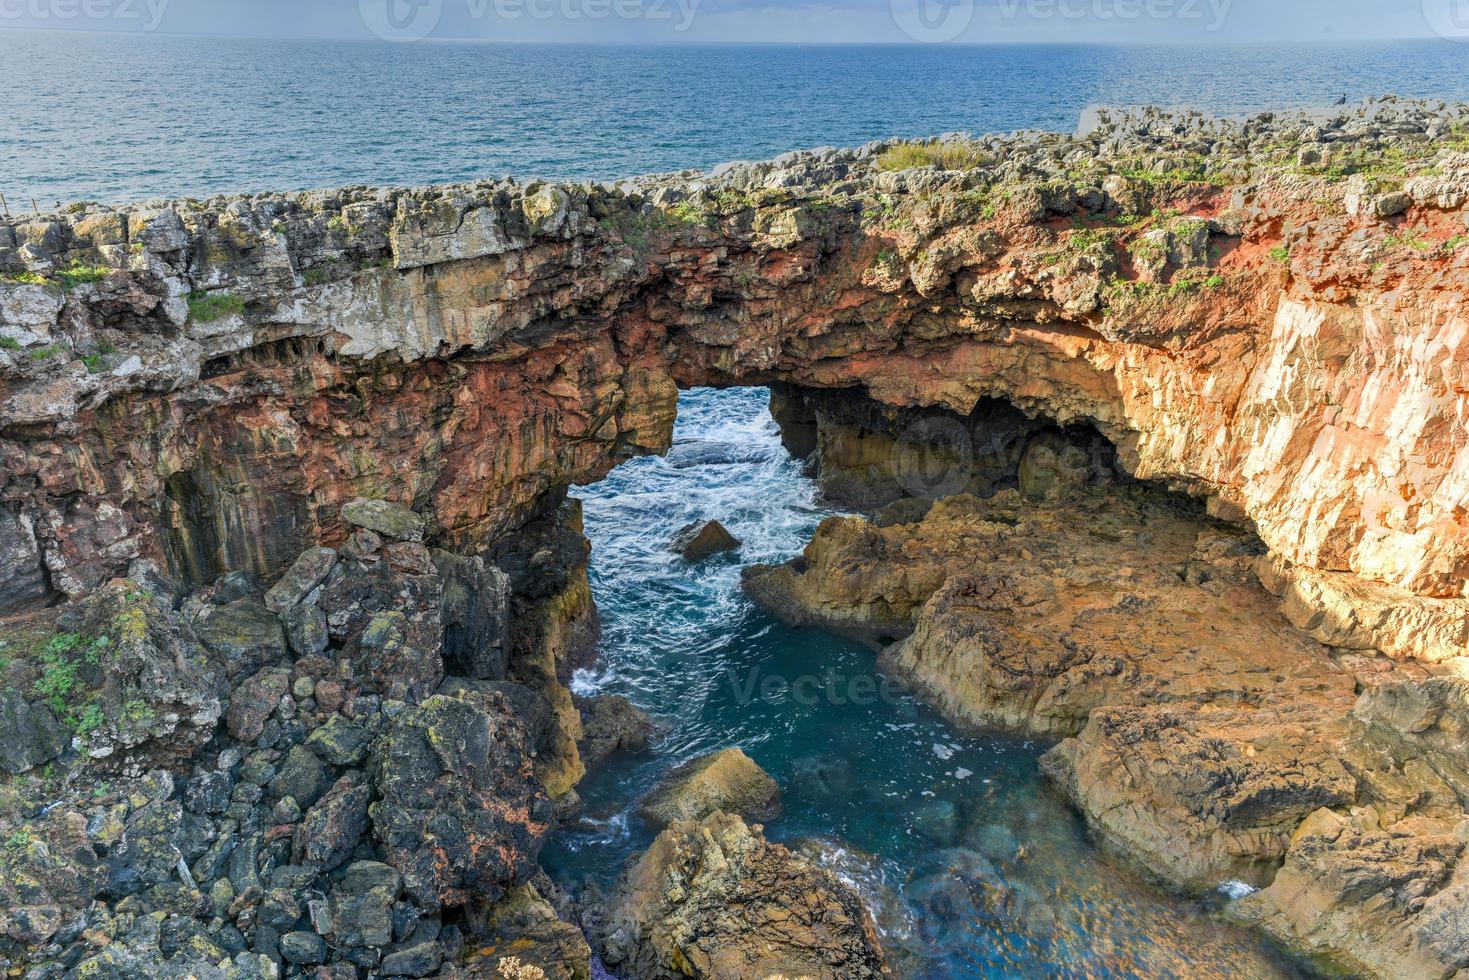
727	780
611	723
696	542
714	899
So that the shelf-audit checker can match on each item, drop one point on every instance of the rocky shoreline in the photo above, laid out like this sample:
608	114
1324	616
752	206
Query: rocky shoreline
1160	428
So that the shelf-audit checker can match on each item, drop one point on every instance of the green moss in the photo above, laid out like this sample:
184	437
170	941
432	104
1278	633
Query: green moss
9	343
946	156
1409	239
24	278
78	274
43	353
207	307
1281	254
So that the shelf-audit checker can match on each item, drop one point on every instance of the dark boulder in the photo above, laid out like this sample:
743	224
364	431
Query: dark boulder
30	735
331	829
697	542
457	799
611	723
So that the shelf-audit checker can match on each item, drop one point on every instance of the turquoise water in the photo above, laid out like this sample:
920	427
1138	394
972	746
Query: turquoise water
972	866
122	118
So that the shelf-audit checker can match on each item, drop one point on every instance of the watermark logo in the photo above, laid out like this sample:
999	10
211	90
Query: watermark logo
401	21
932	458
932	21
1448	18
142	15
936	21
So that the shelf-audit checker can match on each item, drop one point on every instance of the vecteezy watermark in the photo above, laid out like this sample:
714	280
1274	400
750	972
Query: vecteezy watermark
807	690
945	20
145	15
414	20
932	21
1448	18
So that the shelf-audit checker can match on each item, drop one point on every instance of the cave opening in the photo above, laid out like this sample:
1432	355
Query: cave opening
875	782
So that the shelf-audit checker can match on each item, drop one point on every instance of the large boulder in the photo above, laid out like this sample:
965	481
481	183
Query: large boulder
521	932
727	780
698	541
30	735
611	723
459	808
715	899
243	635
392	521
305	574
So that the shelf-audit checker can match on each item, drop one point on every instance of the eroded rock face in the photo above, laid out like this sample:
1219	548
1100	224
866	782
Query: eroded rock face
714	899
1259	342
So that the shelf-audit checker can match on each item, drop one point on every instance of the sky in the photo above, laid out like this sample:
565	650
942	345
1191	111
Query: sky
789	21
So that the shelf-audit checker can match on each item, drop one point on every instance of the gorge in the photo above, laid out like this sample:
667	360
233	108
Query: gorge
1237	347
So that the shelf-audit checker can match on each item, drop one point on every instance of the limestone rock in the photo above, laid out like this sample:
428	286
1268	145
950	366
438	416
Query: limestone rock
1390	903
714	899
391	520
727	780
699	541
1218	791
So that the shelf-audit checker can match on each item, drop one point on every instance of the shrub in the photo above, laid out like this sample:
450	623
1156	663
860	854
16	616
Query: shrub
206	307
945	156
76	274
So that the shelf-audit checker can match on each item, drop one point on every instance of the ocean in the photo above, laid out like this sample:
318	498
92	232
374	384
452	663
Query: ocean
117	118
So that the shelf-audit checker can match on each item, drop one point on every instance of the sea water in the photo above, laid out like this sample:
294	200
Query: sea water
124	118
971	864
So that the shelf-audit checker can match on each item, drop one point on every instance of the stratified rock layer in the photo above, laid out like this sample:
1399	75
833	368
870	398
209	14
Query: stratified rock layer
1272	323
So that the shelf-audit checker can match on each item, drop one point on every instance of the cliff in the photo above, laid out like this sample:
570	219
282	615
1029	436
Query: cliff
1267	312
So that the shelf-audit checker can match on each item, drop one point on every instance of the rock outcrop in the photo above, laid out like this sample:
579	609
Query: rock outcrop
345	423
1210	739
197	792
727	781
699	541
206	384
714	899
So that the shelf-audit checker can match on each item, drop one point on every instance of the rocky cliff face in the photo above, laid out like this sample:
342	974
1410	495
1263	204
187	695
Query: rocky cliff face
376	400
1266	312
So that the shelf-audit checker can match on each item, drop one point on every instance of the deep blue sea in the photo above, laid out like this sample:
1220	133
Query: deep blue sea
123	118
